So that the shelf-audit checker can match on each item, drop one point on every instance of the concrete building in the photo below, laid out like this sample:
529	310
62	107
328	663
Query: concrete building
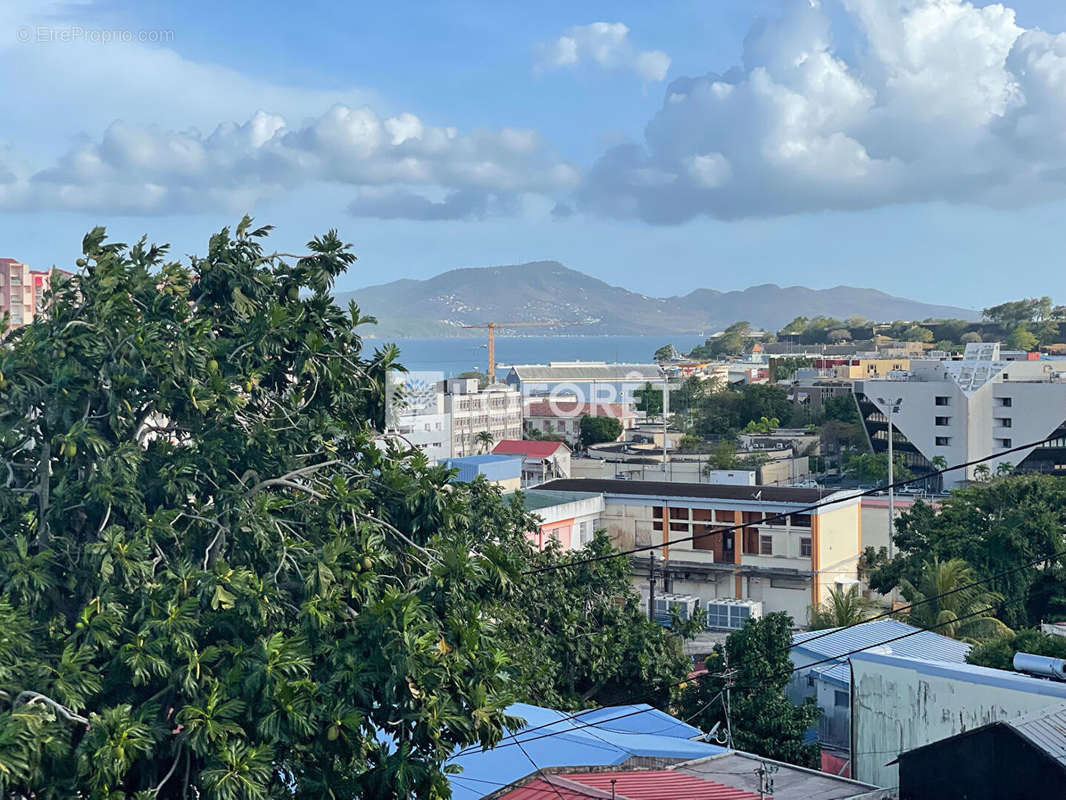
22	290
785	564
562	416
899	704
496	409
823	673
541	460
970	409
586	381
418	415
570	518
502	471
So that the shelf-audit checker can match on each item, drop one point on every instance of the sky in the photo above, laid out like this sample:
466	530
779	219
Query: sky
915	146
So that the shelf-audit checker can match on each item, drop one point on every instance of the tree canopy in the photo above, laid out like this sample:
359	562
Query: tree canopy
595	430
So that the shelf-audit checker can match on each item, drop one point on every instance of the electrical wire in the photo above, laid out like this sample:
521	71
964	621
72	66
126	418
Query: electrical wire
802	510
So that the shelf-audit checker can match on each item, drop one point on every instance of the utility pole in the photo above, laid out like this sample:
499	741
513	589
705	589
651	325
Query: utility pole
728	675
651	586
666	412
765	773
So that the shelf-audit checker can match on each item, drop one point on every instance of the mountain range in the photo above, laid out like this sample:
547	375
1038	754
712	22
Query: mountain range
575	303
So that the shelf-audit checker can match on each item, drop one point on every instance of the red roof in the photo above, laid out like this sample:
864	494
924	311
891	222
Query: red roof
634	785
573	408
529	448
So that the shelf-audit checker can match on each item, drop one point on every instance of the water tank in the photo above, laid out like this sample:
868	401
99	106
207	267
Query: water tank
1045	666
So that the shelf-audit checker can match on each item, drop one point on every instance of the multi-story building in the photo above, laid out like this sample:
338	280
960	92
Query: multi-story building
496	409
786	563
22	290
569	518
587	381
418	414
965	410
562	416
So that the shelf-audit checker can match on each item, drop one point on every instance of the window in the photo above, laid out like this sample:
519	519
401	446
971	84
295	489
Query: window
801	520
805	546
943	400
943	441
1004	422
789	583
943	420
766	545
840	699
810	680
1006	402
1004	442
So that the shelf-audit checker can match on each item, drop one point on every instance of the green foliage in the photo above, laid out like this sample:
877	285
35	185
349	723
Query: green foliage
999	653
763	425
916	333
595	430
970	338
217	579
649	399
484	441
945	599
782	369
1012	314
665	353
873	467
842	608
1021	339
841	407
579	637
733	341
996	527
764	720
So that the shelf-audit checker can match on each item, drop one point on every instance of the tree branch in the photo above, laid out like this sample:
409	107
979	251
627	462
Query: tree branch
35	697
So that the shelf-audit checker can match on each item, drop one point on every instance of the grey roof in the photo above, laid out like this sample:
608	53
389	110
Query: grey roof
711	491
1046	729
924	645
737	769
535	499
587	372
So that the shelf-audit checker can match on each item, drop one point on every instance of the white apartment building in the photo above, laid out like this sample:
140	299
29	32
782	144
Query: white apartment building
969	409
419	416
496	408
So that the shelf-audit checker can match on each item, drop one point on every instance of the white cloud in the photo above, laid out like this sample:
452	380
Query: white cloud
137	169
605	44
945	101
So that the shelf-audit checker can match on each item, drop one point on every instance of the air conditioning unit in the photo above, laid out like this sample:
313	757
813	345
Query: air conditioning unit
687	606
731	615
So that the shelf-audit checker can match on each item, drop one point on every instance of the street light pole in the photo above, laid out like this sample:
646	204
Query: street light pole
893	407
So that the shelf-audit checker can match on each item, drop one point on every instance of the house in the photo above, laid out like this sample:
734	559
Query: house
495	410
899	704
1008	760
571	518
541	460
786	556
562	416
601	737
828	682
587	381
503	471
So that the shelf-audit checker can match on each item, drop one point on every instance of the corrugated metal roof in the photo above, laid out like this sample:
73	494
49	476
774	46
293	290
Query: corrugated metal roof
712	491
969	672
628	785
1046	729
494	468
565	741
573	408
536	499
587	372
790	782
530	448
921	645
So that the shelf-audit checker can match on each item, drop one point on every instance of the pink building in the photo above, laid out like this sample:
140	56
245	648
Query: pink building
22	291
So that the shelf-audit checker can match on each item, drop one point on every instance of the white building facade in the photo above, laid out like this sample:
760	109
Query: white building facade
496	408
981	406
418	414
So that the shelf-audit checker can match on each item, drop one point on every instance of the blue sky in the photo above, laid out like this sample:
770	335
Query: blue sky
915	146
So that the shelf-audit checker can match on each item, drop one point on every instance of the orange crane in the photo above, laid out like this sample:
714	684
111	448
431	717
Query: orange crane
492	326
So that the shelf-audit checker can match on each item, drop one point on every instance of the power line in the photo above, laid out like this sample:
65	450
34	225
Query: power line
802	510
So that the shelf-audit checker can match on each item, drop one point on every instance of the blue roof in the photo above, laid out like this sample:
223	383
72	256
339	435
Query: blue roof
971	673
610	739
927	645
493	467
484	458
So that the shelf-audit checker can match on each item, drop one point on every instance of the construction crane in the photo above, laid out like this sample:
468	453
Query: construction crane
492	326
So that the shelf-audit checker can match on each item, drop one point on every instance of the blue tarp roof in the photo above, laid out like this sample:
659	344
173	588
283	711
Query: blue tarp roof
601	737
921	645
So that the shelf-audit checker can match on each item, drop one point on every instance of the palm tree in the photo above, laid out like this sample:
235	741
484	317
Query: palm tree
484	440
962	613
938	463
843	607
